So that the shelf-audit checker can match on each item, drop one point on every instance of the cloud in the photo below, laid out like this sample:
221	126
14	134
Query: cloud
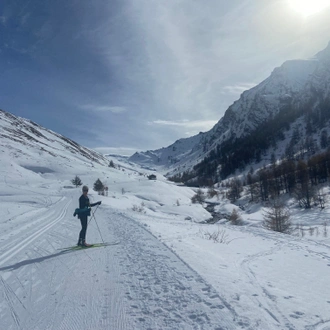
175	60
104	108
202	124
171	54
237	89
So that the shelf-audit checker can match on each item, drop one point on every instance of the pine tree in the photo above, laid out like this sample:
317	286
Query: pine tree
76	181
98	186
111	164
324	139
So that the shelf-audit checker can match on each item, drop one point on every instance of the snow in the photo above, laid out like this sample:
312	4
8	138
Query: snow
296	84
165	273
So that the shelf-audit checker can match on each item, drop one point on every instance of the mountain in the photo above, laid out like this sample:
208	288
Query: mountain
21	138
296	96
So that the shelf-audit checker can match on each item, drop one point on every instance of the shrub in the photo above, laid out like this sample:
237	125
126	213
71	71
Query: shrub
198	198
140	208
211	192
235	218
218	236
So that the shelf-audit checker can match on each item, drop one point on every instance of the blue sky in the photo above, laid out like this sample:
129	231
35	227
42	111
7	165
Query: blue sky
126	75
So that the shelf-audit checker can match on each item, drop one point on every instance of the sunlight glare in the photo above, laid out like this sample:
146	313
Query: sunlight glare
309	7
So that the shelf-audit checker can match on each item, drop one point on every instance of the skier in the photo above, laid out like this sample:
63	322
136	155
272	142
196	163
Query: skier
84	212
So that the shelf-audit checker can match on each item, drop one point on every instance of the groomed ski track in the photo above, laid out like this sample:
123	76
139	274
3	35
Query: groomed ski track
138	284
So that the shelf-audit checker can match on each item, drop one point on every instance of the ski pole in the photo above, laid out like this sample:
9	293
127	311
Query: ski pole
93	216
93	212
99	230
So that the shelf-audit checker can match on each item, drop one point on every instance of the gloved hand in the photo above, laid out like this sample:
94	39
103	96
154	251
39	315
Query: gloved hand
99	203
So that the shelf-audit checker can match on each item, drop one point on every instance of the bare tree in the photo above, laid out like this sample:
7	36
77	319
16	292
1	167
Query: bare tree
235	189
304	191
198	197
277	218
305	194
321	198
235	218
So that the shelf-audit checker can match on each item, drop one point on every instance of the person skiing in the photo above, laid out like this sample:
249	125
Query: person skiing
84	212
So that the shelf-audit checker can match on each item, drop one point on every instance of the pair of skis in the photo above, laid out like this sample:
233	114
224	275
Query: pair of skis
95	245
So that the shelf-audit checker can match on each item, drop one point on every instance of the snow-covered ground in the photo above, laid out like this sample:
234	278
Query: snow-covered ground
164	273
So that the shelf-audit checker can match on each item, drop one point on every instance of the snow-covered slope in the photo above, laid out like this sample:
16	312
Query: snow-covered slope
166	272
21	139
296	85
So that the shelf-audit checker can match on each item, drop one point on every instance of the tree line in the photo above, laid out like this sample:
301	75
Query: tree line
238	152
299	178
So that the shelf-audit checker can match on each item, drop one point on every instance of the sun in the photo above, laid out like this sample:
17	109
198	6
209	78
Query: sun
309	7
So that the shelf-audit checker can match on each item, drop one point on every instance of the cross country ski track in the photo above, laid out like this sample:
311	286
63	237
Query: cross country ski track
138	284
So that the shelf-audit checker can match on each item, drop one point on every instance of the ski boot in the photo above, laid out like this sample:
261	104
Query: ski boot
84	244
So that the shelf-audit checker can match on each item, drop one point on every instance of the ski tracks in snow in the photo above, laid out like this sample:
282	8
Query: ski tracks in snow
264	298
20	240
162	291
28	234
139	284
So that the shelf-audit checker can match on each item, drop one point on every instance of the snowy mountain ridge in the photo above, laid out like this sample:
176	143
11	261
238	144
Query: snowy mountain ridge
295	85
166	272
22	137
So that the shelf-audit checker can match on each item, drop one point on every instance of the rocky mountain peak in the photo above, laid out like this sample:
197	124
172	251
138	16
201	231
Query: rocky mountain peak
293	89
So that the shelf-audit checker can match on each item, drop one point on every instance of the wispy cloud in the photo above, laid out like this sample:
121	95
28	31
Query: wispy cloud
104	108
202	124
177	73
175	60
237	89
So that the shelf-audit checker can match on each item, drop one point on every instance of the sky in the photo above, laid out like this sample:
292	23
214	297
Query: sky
122	76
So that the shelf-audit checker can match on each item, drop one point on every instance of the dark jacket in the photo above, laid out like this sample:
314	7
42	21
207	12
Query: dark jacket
84	207
84	202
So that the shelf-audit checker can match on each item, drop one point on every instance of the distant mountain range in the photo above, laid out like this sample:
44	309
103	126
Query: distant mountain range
293	101
285	116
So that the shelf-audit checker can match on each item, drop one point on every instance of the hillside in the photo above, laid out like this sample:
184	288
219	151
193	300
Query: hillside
22	137
296	96
166	266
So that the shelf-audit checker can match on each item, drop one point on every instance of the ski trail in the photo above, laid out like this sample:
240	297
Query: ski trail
161	290
19	246
139	284
10	304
